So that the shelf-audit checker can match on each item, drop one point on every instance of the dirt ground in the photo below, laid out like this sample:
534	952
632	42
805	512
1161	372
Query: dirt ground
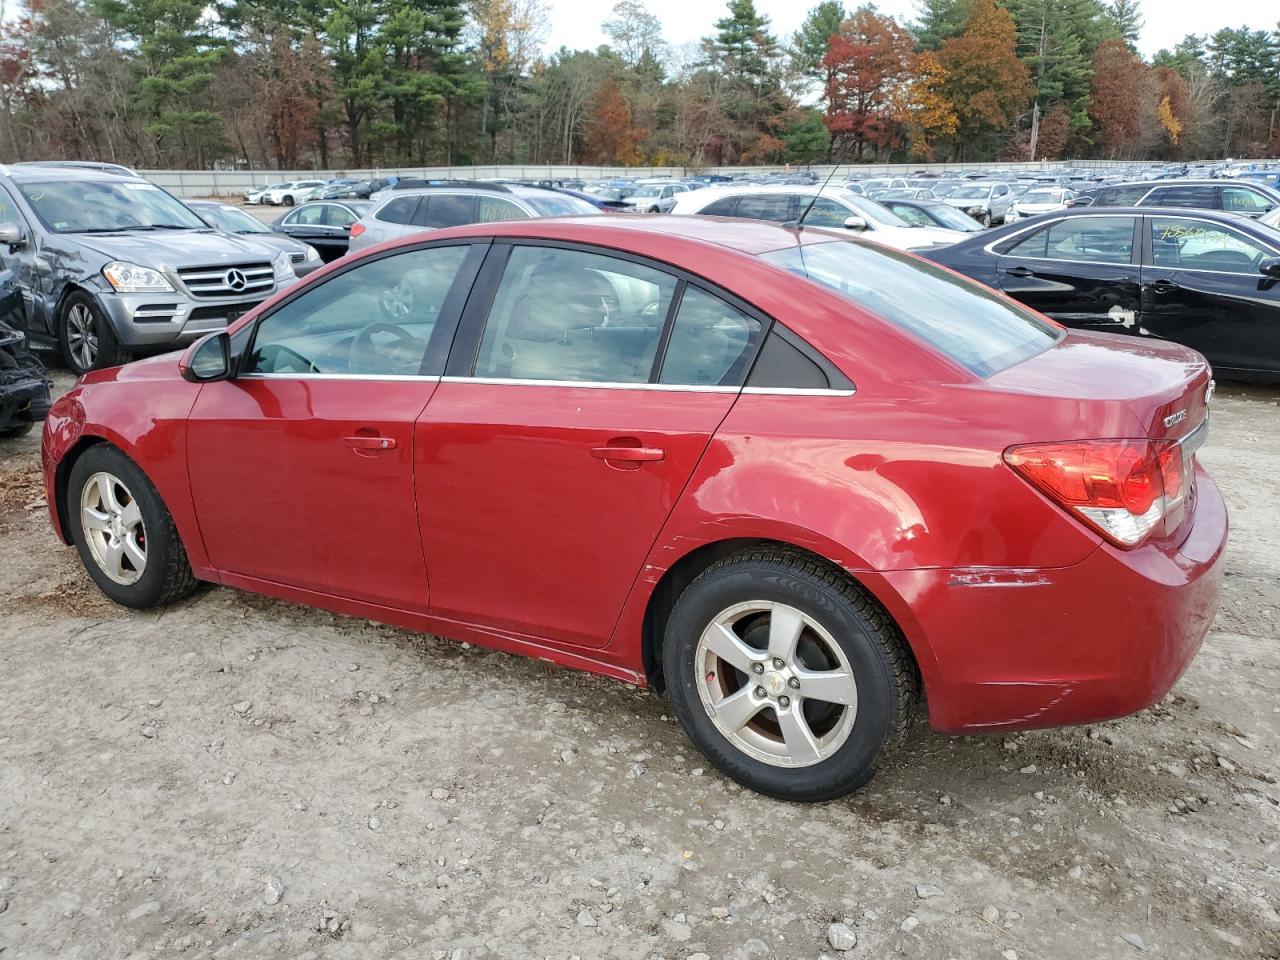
239	777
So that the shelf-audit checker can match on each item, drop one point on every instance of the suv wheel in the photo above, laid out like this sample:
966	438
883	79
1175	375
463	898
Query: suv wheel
124	534
288	200
88	342
787	676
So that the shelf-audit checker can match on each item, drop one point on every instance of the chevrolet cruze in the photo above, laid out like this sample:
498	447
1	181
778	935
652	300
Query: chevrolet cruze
798	481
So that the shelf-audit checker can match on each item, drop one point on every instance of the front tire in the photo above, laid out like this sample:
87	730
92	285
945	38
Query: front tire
86	337
787	676
288	200
124	534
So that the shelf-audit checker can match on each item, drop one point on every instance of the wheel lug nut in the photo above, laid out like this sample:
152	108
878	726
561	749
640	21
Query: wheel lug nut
760	692
793	683
778	664
784	701
757	668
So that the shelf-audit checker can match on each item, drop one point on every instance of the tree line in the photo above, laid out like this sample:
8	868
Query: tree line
363	83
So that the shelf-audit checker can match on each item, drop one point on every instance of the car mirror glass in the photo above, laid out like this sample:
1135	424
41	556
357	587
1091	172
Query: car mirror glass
208	359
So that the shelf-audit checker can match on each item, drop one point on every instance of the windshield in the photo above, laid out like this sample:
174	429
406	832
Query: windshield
971	191
1043	196
953	218
898	193
946	188
968	323
560	206
872	210
650	190
232	219
98	206
877	183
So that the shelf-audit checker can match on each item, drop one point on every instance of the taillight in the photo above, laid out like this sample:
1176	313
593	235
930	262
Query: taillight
1125	489
357	229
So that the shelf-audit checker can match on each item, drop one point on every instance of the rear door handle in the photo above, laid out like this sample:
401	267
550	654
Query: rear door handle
1164	286
1018	271
370	443
629	454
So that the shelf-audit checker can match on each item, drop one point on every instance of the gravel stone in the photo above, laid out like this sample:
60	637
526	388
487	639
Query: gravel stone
841	937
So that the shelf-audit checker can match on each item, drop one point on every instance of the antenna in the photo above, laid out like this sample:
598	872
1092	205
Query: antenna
799	224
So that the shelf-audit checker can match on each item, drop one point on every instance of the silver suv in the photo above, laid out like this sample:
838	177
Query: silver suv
110	265
988	203
402	212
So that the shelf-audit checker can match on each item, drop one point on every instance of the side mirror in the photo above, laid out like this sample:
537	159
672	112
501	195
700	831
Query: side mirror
208	359
855	223
1270	267
11	235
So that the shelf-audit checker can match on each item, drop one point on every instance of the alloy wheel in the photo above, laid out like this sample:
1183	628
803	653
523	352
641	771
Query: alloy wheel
82	335
776	684
113	528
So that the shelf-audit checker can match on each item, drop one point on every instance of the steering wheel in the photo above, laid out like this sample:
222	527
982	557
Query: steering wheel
404	355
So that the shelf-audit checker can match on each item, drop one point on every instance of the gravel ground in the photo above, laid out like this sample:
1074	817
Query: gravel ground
240	777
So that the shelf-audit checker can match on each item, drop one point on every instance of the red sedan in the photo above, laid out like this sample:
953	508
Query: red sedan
790	478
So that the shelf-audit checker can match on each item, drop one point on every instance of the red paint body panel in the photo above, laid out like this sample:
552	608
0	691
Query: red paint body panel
283	495
524	528
1018	614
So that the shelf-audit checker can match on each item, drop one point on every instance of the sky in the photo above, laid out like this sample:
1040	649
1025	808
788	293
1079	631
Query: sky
576	23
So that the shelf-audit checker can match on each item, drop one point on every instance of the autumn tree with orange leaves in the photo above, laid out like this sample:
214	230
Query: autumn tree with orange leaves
611	136
868	66
1119	81
986	83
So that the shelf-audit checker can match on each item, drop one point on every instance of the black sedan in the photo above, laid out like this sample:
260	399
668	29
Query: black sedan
231	219
325	224
931	213
1206	279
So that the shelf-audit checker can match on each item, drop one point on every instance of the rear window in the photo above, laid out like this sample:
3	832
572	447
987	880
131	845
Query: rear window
972	326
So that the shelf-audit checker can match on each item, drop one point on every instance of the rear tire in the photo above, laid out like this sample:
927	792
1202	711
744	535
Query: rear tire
124	533
748	711
13	431
86	337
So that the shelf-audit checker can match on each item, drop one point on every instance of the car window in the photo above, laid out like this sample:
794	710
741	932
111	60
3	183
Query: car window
570	315
308	216
710	343
336	216
493	209
450	210
765	206
825	213
1089	239
1122	196
374	319
1244	200
724	207
972	325
912	215
1200	245
398	210
1187	195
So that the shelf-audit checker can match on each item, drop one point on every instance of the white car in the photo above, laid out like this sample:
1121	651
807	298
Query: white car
1039	200
292	193
259	194
832	207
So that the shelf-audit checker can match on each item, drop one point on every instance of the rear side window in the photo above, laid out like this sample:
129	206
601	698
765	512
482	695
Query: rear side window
576	316
710	343
765	206
1191	195
449	210
1088	239
724	207
973	326
398	210
1244	200
493	209
1121	196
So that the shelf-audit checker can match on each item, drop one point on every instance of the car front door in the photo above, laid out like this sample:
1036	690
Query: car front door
1202	286
1081	271
558	443
302	465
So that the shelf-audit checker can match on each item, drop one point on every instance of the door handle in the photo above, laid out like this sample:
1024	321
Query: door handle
1018	271
370	443
1164	286
629	454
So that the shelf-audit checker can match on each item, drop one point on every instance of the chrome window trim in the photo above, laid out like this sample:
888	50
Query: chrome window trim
1038	224
395	377
798	392
590	384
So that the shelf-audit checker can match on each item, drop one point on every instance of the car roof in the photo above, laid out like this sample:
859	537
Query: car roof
37	172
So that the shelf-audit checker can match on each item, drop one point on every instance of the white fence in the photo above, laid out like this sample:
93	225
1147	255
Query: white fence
229	183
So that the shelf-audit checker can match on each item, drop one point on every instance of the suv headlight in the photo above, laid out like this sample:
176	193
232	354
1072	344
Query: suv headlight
130	278
283	267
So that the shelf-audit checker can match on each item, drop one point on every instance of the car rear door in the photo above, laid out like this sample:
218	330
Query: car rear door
1081	271
1202	286
301	466
558	442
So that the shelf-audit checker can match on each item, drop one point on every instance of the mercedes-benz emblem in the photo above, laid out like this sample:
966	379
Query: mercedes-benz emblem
235	280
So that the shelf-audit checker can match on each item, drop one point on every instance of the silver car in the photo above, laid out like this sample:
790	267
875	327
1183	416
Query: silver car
656	197
402	212
988	203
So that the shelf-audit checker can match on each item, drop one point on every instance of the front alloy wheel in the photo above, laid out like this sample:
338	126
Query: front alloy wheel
82	336
113	528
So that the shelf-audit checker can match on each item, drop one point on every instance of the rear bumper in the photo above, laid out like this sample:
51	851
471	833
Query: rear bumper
1100	639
